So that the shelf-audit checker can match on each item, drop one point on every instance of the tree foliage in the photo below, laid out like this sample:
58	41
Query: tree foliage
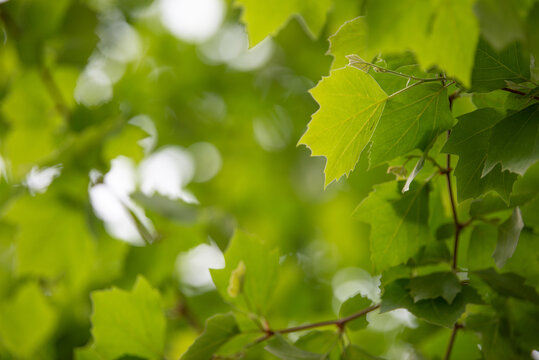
163	194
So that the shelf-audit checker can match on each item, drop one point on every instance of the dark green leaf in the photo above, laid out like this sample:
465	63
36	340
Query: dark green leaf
514	142
436	311
470	141
352	305
444	284
508	284
492	69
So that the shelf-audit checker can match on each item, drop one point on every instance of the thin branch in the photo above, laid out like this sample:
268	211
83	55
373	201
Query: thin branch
340	323
518	92
456	327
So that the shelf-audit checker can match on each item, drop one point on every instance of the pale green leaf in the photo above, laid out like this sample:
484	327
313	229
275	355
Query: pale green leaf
351	103
452	40
508	235
26	321
470	141
398	223
411	119
219	330
263	18
514	142
53	240
129	323
350	39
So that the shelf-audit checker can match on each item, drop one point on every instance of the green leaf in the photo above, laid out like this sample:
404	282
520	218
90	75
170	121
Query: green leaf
129	323
353	352
26	321
263	18
390	31
508	235
481	246
219	330
352	305
66	251
470	141
514	142
351	103
411	120
261	265
508	284
436	311
431	286
320	342
285	351
500	21
491	68
445	231
398	223
350	39
452	40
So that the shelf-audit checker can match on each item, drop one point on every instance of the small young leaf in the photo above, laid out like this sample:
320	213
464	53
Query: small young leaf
261	264
508	235
235	285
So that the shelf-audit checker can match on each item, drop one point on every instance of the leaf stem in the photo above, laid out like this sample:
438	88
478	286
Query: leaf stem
354	59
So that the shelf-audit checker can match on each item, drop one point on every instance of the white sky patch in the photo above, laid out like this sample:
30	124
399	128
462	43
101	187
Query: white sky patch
93	88
193	21
167	172
38	179
193	266
208	161
145	123
231	46
350	281
119	41
111	202
391	320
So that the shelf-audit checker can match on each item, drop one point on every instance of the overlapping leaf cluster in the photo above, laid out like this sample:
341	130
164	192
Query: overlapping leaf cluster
430	109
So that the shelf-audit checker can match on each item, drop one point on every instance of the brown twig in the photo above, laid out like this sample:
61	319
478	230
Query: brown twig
456	327
340	323
518	92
